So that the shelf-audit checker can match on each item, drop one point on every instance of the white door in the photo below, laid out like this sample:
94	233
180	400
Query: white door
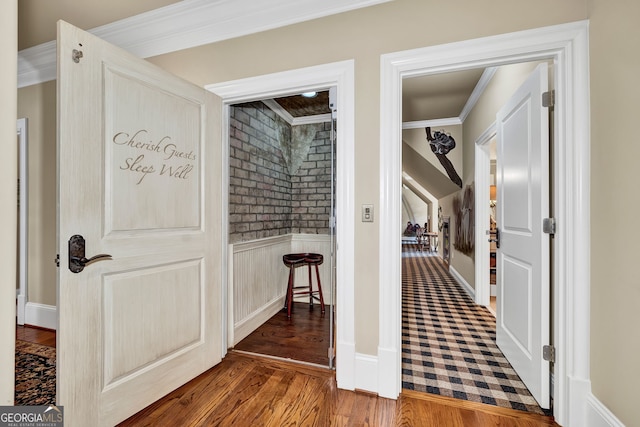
522	314
139	178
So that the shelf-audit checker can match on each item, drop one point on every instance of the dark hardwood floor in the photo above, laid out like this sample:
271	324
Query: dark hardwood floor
36	335
304	337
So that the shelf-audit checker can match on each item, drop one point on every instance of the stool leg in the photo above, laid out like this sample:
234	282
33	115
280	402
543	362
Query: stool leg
319	289
310	287
290	291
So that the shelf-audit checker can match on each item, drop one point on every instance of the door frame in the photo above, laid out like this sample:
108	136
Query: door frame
482	215
567	46
320	77
23	218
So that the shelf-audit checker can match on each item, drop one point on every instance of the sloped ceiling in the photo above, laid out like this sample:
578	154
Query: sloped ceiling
437	96
426	174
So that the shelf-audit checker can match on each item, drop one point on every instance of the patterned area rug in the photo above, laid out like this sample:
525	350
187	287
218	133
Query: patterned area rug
35	374
448	342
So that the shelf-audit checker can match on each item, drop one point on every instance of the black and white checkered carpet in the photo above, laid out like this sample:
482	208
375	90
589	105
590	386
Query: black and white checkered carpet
448	342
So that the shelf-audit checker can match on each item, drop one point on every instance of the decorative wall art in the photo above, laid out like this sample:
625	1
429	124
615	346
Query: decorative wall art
464	221
441	143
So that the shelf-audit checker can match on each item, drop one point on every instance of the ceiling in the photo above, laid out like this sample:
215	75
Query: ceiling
302	106
437	96
37	18
423	98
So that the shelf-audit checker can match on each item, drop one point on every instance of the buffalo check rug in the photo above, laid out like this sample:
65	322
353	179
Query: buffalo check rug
449	342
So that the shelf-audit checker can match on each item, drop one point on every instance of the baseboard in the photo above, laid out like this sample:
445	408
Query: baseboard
466	286
20	309
366	372
598	415
346	360
41	315
251	323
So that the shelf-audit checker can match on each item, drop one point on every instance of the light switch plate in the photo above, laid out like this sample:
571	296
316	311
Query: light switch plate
367	213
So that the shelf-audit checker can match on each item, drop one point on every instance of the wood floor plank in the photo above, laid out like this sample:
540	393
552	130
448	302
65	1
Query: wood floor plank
36	335
247	391
253	391
303	337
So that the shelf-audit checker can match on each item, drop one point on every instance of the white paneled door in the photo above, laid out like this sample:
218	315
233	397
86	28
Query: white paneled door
522	313
139	179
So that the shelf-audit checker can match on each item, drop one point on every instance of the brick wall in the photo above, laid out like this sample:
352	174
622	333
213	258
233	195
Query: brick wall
259	182
264	199
311	186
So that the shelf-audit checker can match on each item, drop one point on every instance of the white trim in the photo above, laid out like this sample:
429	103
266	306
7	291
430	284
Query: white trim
260	243
341	75
599	415
567	46
187	24
37	64
366	372
229	336
309	238
310	120
482	84
277	108
296	121
463	283
41	315
482	214
23	215
451	121
250	324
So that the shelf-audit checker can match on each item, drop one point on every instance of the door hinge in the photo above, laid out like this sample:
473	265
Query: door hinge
549	225
549	99
57	260
549	353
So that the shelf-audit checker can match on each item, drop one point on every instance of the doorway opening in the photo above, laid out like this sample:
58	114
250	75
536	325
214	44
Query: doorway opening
339	75
491	89
282	202
565	45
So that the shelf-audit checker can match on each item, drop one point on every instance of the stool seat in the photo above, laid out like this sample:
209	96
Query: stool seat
292	261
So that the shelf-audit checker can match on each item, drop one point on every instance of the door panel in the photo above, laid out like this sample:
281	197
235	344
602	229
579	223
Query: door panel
517	314
522	315
142	154
133	142
166	296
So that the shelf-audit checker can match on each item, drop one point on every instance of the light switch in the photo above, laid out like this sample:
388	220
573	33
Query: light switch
367	213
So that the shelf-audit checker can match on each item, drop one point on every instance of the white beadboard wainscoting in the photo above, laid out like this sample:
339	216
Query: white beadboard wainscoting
258	278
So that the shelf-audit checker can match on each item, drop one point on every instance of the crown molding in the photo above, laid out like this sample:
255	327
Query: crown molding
296	121
482	84
450	121
277	108
311	120
187	24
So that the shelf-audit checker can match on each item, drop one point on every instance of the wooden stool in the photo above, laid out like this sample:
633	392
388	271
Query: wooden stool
298	260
